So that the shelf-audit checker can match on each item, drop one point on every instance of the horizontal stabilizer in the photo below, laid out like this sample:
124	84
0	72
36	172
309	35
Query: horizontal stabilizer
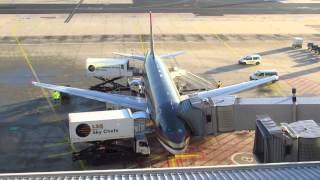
228	90
122	100
136	57
172	55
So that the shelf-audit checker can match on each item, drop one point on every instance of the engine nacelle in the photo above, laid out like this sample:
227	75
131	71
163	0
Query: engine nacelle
136	85
91	68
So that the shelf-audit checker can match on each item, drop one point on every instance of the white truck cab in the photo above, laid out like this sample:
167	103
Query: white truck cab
141	145
297	42
251	59
259	74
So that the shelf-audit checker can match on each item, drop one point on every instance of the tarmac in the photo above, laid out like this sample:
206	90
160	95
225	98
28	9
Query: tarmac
34	134
196	7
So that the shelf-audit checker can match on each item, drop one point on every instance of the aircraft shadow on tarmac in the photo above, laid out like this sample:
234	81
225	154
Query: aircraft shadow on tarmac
40	107
233	67
28	128
274	51
303	57
300	73
32	133
226	68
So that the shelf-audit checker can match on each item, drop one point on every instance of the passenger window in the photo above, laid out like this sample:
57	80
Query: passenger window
248	58
255	58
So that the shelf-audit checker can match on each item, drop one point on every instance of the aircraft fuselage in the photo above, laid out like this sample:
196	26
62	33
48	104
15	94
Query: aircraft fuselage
163	99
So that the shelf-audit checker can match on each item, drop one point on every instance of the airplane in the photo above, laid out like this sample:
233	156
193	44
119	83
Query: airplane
162	98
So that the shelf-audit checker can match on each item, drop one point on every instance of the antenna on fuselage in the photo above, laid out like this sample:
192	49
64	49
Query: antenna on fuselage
151	33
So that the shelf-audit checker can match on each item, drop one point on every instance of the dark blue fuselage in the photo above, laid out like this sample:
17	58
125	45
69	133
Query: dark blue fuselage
163	99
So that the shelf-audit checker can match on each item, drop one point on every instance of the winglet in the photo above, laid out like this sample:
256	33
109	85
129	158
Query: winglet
151	33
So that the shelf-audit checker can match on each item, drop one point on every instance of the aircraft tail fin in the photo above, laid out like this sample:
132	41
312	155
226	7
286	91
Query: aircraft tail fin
151	33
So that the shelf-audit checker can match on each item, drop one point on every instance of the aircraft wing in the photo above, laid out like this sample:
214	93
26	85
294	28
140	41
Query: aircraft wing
136	57
122	100
235	88
172	55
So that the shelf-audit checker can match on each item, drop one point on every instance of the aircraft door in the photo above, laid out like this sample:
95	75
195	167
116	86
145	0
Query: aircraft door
210	121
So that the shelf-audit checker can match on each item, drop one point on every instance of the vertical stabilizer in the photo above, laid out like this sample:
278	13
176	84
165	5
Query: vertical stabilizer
151	34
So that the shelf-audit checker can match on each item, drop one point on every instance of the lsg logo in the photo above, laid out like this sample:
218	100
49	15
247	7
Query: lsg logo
83	130
98	126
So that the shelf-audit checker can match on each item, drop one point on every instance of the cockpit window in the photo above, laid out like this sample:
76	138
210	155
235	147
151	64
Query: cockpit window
258	73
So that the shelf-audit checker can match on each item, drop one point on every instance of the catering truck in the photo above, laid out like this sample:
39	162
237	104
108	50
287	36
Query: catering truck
103	130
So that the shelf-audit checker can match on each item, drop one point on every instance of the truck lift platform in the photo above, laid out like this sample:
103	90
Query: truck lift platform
101	151
108	85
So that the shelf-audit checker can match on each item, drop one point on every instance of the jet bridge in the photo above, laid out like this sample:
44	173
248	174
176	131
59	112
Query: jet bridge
211	116
297	141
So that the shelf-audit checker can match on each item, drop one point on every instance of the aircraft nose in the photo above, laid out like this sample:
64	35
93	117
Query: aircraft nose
177	136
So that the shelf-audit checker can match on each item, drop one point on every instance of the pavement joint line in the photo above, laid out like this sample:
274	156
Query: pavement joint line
240	147
73	11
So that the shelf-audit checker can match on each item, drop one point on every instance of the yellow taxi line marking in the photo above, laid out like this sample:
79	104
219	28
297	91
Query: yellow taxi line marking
186	156
172	162
58	155
55	144
138	30
278	89
231	49
26	58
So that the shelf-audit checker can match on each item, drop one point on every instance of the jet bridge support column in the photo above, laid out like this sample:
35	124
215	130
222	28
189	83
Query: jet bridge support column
294	105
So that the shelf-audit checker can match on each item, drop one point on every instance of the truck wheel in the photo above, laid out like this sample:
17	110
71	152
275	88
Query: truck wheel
257	63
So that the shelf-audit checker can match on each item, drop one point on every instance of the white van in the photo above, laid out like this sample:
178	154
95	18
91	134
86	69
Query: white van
259	74
297	42
251	59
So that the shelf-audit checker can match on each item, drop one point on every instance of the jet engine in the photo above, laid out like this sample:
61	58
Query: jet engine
91	68
136	85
